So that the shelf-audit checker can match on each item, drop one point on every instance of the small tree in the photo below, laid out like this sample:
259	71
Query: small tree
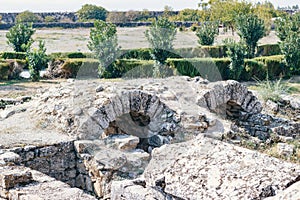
287	24
207	33
90	12
19	37
160	37
236	52
290	48
27	17
250	29
37	60
104	43
288	31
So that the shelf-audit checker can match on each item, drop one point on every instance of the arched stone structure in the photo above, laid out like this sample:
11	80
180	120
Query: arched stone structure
227	96
134	112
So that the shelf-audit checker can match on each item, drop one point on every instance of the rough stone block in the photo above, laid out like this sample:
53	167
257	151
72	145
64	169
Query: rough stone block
11	177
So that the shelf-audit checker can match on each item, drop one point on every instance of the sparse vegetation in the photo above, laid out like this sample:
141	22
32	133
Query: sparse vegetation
272	90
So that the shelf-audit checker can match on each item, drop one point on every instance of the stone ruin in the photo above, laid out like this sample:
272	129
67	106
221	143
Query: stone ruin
142	139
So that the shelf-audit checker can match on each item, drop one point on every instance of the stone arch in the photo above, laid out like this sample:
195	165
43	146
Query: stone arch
135	112
230	97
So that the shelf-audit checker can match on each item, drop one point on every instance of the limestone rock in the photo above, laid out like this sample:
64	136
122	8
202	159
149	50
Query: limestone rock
285	149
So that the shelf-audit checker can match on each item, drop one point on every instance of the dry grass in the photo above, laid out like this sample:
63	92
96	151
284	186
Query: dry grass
67	40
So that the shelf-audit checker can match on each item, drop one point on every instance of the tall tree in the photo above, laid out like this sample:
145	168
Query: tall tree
250	28
27	17
226	11
90	12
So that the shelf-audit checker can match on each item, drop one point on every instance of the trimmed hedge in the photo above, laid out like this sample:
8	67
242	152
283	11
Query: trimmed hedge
130	68
212	69
274	66
70	55
80	67
13	55
218	68
11	68
197	52
88	68
268	50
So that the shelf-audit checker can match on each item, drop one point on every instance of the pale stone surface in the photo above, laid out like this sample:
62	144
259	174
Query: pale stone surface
45	187
212	169
285	149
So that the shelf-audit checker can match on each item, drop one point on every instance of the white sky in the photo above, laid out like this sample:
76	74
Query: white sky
74	5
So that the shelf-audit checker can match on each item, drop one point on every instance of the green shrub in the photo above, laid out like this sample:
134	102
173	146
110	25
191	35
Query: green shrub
4	70
13	55
268	50
274	66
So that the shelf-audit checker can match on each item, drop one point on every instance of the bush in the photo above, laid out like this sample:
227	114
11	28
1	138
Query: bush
90	12
19	37
27	17
268	50
207	32
13	55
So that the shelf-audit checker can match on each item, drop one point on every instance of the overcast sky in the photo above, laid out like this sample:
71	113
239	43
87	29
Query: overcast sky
74	5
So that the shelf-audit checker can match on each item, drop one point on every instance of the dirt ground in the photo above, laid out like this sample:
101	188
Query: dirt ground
67	40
